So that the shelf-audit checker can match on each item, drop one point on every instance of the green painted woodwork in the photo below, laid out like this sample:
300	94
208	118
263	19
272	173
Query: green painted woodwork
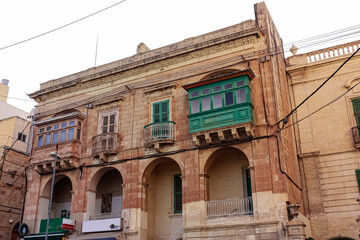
177	193
357	171
161	111
54	225
356	107
220	104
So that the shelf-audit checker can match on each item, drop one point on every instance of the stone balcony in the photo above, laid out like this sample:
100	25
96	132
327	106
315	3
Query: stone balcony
159	133
68	156
104	145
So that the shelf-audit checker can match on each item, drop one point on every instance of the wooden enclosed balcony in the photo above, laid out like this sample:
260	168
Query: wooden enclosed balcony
159	133
229	207
105	144
355	133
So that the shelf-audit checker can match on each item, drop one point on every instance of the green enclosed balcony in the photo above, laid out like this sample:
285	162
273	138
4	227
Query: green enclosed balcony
221	107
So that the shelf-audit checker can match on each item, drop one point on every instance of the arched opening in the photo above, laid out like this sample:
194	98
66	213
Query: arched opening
105	194
228	183
14	232
163	185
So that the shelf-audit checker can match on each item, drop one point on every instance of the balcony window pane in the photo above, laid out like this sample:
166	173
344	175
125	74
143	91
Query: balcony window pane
229	98
71	123
41	130
48	128
71	134
63	125
79	124
112	119
217	100
105	129
205	91
40	140
195	94
216	89
62	135
228	86
111	128
195	108
47	139
105	121
56	126
241	96
206	104
240	83
78	134
55	137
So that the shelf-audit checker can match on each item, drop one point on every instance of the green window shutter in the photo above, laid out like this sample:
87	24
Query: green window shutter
177	193
357	171
356	106
161	111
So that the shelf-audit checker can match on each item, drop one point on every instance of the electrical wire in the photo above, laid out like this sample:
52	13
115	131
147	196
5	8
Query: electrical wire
63	26
30	100
286	118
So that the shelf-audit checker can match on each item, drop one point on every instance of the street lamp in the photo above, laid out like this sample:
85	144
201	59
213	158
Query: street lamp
51	191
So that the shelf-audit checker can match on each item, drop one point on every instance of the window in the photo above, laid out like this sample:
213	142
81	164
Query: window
206	104
356	107
177	193
71	134
48	128
40	140
47	139
357	171
55	137
108	122
41	130
195	106
217	101
62	135
161	111
21	137
229	98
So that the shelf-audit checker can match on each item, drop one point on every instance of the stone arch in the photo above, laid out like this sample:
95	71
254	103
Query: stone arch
15	230
45	191
162	197
101	191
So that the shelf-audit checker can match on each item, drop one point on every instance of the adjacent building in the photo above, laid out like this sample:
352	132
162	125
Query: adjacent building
328	142
179	142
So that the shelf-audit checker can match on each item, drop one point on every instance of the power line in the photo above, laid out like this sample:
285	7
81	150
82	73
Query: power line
23	99
63	26
286	118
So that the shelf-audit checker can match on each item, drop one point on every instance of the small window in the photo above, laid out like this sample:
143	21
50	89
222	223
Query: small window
205	91
177	193
55	137
47	139
71	123
216	89
229	98
228	86
40	140
56	126
71	134
206	104
41	130
48	128
62	135
78	134
195	94
195	108
240	96
217	100
357	172
240	83
63	125
79	124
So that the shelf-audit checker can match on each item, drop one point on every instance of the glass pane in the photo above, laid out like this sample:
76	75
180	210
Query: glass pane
105	129
217	99
206	104
78	134
23	138
19	136
216	89
240	83
195	108
241	96
56	126
47	139
41	130
71	134
111	128
228	86
156	108
62	135
112	119
48	128
229	98
205	91
164	117
105	121
195	94
178	202
79	124
63	125
178	185
55	137
40	141
71	123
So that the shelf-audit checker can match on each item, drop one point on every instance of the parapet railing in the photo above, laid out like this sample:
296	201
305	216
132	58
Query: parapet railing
161	131
105	143
229	207
333	52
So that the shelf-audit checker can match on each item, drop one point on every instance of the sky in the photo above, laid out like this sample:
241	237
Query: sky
116	32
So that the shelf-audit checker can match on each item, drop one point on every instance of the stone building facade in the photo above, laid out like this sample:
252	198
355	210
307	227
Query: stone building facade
175	142
328	141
